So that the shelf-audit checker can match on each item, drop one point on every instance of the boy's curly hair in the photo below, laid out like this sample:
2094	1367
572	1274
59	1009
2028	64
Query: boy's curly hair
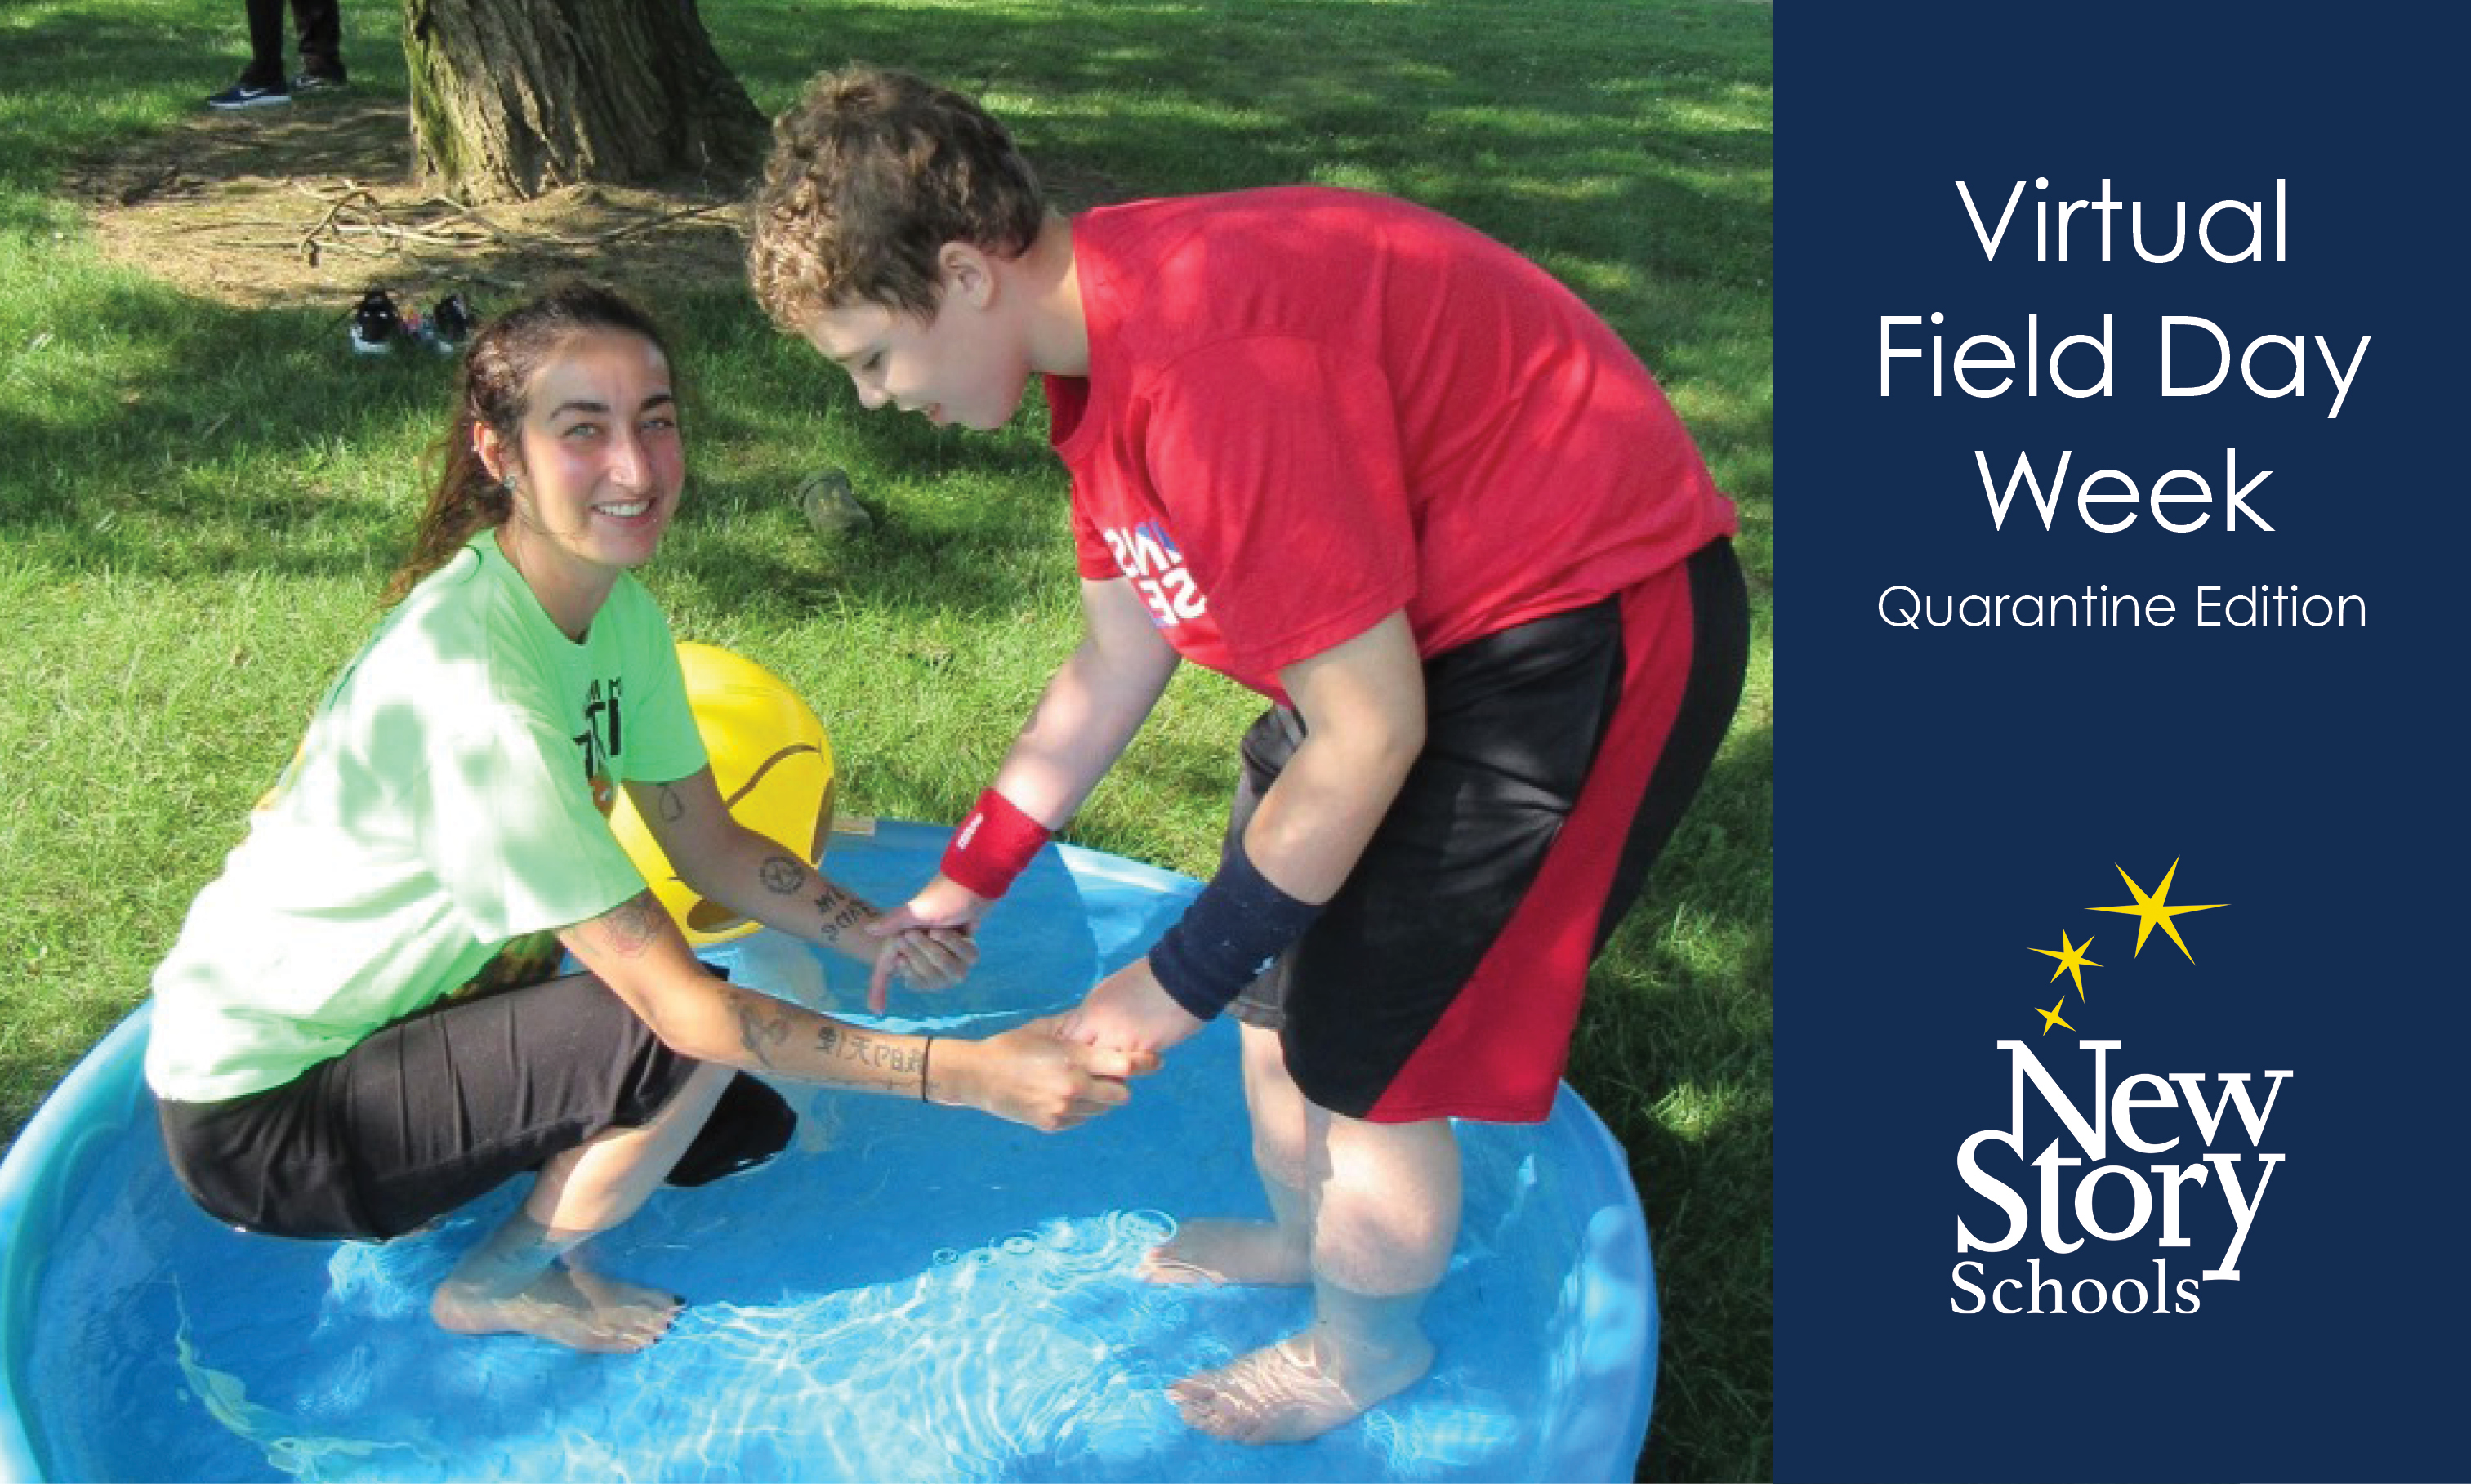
871	174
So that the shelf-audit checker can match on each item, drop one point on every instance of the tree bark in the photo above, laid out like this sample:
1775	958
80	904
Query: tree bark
514	97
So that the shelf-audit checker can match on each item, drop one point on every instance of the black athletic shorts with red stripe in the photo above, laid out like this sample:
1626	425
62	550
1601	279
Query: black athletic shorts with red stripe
1445	977
442	1106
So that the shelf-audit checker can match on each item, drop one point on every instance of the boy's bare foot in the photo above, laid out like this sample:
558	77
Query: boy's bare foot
565	1306
1230	1252
1297	1389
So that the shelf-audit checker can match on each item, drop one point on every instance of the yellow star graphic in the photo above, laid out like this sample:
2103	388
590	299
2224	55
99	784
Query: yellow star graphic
2051	1016
2073	963
2152	911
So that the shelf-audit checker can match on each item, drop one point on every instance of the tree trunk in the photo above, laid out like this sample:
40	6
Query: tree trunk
512	98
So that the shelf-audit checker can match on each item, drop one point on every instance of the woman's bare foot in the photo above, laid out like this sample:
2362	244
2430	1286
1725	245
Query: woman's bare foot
1297	1389
563	1306
1230	1252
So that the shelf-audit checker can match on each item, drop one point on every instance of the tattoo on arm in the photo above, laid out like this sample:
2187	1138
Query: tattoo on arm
781	875
633	924
673	808
859	1058
842	911
760	1028
897	1064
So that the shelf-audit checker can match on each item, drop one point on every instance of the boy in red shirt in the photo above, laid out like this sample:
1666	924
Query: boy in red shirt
1386	472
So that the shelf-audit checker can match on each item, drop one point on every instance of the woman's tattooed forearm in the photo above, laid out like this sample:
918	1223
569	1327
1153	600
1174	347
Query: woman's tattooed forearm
673	808
767	1029
781	875
761	1024
900	1062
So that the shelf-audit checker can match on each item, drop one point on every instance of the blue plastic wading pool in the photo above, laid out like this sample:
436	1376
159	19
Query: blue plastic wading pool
907	1293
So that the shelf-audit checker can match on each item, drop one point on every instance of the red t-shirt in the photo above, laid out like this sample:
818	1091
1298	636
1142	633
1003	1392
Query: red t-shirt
1307	408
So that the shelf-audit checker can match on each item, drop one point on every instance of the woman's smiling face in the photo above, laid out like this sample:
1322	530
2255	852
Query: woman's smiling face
598	465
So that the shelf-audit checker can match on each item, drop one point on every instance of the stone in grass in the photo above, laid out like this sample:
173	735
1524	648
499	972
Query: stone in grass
830	505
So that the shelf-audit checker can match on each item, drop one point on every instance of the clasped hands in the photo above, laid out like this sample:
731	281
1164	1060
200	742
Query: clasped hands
1118	1030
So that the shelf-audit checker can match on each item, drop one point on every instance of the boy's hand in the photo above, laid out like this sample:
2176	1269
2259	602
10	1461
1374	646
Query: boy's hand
1127	1009
1031	1077
941	903
923	958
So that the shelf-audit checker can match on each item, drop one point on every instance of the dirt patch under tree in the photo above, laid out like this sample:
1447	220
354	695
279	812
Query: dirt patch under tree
313	204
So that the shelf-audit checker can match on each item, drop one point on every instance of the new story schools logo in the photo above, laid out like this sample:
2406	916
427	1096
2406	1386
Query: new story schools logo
2149	1201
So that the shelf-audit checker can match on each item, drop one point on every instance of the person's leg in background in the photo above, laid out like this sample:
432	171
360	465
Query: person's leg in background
319	24
261	82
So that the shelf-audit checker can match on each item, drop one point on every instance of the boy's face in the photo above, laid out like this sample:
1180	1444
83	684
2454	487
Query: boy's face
960	366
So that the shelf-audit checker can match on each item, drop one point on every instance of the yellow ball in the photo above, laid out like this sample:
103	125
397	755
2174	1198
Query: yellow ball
772	764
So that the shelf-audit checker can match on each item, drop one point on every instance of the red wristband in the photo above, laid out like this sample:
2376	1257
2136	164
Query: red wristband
994	845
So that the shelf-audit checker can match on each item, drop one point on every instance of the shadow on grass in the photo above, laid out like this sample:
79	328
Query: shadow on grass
81	78
76	79
165	435
156	433
1626	147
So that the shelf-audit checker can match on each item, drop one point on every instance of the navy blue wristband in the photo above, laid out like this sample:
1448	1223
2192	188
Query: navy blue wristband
1227	937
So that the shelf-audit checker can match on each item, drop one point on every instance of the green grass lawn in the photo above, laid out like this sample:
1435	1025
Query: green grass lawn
198	504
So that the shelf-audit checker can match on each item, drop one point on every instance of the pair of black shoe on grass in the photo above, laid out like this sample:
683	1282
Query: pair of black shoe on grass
377	325
245	94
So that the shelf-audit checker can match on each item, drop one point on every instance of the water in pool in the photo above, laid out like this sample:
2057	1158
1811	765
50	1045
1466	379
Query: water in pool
907	1293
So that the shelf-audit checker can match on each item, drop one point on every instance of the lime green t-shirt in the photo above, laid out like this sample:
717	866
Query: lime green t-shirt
449	800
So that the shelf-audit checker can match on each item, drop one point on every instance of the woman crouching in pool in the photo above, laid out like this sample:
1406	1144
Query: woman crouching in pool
360	1027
